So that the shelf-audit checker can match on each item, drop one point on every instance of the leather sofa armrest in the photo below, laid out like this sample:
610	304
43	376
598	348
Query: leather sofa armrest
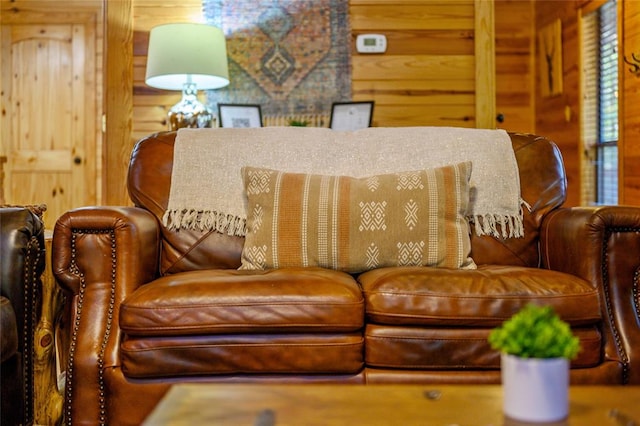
88	244
100	255
602	246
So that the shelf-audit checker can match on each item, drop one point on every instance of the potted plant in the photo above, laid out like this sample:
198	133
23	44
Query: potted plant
298	123
536	347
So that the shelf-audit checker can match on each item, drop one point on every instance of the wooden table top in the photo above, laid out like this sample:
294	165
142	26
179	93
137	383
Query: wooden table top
397	405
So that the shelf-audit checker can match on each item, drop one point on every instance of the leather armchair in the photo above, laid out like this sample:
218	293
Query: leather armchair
602	246
22	264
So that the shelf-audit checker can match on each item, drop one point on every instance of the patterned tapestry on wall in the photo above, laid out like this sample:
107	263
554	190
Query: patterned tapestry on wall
288	56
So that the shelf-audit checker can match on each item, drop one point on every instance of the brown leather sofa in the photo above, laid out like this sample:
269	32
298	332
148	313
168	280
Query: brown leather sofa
22	263
152	307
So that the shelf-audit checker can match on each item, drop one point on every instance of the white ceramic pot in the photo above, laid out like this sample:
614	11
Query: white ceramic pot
535	390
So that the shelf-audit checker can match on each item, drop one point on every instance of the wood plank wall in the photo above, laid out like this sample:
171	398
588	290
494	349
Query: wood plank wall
150	105
119	100
426	77
410	90
558	117
515	60
409	101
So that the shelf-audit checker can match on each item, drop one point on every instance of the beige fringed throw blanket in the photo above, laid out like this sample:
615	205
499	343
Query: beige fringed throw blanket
207	191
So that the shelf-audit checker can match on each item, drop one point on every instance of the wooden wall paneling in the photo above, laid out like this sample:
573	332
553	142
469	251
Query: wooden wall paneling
427	75
629	143
150	105
425	15
412	67
426	115
426	39
149	13
558	117
40	10
100	117
515	55
119	99
485	63
408	2
416	92
428	42
5	95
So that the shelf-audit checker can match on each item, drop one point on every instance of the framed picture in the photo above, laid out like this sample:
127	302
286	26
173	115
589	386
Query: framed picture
239	115
550	58
351	115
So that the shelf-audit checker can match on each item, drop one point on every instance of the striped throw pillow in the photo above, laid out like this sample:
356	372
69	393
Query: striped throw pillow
357	224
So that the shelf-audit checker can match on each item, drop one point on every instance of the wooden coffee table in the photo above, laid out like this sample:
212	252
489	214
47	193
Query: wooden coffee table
396	405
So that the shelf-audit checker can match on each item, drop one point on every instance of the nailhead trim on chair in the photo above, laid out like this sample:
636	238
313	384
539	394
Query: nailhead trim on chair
73	268
636	295
606	287
635	291
76	323
29	321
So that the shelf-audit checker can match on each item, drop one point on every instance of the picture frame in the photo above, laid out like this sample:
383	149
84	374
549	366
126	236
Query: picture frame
239	115
550	59
351	115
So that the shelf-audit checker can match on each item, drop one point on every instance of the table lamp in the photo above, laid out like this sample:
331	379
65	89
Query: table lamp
187	57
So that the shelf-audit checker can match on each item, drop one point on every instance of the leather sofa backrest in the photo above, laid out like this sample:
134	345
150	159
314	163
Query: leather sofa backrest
543	187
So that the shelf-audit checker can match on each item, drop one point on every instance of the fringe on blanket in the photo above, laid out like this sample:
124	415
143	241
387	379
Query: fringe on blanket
205	221
501	226
494	225
498	226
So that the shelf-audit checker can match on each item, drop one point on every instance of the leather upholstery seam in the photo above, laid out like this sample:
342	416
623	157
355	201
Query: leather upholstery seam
449	318
199	307
421	339
245	345
130	330
591	292
427	339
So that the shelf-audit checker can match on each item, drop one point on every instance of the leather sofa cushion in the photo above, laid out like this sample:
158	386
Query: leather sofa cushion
312	353
293	300
449	348
484	297
9	335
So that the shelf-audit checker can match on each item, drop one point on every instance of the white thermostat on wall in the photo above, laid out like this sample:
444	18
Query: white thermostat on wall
371	43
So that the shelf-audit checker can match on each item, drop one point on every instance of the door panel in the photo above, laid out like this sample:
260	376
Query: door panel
50	108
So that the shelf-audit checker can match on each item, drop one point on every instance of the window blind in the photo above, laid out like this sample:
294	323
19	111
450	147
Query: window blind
600	104
608	72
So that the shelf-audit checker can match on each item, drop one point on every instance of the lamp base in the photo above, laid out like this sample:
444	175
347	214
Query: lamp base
189	112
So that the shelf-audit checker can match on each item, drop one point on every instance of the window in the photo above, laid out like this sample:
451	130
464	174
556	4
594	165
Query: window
600	106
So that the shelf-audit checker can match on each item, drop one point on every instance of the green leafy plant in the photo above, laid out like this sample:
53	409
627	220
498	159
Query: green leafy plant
298	123
535	332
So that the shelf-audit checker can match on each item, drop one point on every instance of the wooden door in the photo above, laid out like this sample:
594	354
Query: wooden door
49	121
